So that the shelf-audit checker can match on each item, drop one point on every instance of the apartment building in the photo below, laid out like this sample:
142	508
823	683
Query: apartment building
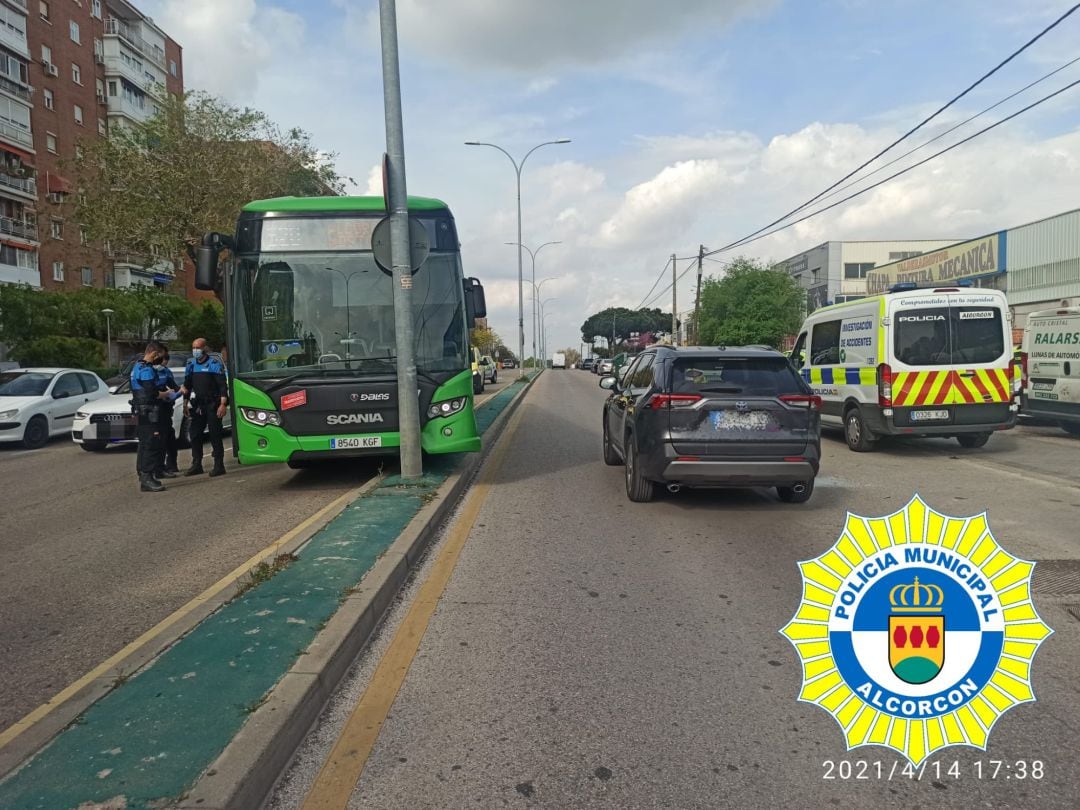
69	71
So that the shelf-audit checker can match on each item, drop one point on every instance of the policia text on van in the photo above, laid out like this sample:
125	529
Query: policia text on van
913	362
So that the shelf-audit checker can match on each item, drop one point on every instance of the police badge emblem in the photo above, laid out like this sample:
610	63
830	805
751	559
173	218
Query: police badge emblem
916	631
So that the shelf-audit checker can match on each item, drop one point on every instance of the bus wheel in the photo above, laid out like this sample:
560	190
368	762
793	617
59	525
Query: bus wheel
973	440
856	434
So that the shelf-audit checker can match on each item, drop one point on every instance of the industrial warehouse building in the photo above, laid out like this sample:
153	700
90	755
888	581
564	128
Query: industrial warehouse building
1037	265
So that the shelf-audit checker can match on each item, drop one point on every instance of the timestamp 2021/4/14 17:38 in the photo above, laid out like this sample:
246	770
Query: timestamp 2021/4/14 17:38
867	769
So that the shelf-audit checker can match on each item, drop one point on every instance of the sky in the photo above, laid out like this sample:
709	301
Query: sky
692	122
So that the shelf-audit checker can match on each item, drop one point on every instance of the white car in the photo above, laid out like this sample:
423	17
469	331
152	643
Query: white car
110	420
39	403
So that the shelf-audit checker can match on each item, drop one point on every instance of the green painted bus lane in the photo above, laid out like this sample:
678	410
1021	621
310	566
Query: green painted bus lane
149	739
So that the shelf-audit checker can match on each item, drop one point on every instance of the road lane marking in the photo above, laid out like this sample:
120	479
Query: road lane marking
343	768
104	668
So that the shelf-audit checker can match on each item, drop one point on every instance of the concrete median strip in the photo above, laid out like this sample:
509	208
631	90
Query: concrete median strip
225	706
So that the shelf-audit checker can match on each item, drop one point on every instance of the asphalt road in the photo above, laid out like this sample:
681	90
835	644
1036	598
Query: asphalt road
89	563
591	652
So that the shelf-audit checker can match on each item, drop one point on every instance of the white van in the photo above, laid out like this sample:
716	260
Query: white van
558	360
1050	359
914	362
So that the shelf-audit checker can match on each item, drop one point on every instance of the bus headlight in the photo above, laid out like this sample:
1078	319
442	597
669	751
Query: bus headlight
448	407
259	416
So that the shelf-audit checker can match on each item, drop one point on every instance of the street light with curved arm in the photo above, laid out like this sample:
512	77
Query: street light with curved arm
517	171
533	254
543	330
544	314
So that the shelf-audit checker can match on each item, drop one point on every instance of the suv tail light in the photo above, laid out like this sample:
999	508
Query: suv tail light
812	401
658	401
884	385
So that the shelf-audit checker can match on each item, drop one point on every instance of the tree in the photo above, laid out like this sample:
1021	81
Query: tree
751	303
153	189
67	326
622	322
573	356
486	340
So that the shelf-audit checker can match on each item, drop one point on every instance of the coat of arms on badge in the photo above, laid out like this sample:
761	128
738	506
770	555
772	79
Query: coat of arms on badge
916	631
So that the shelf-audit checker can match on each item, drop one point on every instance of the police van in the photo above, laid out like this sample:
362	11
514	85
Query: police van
912	362
1050	359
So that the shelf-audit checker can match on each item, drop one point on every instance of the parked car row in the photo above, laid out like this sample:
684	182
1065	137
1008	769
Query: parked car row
37	404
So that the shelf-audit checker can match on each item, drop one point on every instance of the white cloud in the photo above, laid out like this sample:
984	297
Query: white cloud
227	45
539	86
374	182
536	34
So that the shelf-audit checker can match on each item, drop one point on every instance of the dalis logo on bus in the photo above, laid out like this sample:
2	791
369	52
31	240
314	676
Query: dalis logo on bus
916	631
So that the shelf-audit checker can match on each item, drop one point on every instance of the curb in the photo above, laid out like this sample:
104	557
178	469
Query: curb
244	774
68	708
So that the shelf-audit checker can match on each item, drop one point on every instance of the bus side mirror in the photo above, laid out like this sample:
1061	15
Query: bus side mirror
479	301
475	303
206	267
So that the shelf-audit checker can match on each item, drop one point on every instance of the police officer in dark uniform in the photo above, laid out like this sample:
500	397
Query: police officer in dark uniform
147	399
166	464
204	380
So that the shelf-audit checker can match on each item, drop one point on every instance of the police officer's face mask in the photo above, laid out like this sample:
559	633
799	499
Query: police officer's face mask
198	353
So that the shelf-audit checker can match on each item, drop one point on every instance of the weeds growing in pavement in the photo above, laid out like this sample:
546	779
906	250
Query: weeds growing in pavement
264	572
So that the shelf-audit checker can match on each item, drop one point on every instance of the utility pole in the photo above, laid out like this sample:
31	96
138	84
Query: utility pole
674	304
400	249
697	297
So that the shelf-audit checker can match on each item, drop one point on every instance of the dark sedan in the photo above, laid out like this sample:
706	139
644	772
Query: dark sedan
713	417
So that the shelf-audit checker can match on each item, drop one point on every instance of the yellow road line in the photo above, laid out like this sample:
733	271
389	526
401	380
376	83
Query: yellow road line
342	770
104	668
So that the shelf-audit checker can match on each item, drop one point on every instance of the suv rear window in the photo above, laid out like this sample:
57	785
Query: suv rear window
752	376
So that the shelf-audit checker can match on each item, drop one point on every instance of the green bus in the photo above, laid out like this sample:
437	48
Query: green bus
309	316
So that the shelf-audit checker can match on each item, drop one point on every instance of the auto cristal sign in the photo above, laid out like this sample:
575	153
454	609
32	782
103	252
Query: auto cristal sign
916	631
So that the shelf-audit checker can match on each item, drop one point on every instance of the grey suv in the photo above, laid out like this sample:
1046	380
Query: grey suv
713	417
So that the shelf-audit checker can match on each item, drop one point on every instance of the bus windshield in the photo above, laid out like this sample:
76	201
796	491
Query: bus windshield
328	312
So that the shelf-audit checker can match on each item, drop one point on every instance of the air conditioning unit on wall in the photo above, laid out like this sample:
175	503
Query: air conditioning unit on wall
52	70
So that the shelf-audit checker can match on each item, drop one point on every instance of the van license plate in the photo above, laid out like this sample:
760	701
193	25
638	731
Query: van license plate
356	443
928	416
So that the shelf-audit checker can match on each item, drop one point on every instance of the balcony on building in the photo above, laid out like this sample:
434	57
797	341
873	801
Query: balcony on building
18	263
135	269
17	175
119	69
130	33
129	101
13	28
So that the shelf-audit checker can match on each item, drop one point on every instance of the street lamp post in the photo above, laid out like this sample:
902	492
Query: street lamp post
543	331
517	171
108	313
535	306
533	254
543	342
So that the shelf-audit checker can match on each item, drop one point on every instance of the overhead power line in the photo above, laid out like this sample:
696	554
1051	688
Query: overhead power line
911	131
653	287
908	168
759	235
950	130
